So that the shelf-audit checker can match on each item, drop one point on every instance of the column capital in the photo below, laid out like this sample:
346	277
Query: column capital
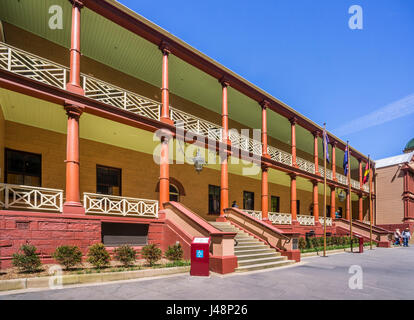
314	182
292	175
73	111
293	120
165	47
316	133
265	167
334	143
264	104
77	3
224	82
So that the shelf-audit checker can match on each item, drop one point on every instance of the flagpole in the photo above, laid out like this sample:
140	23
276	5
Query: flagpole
350	195
370	203
325	146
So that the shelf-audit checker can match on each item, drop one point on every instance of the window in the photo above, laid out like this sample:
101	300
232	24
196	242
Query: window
116	234
23	168
328	210
213	199
108	180
274	204
174	193
248	200
297	206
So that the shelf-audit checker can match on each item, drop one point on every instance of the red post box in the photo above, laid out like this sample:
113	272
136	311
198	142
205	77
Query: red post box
361	244
200	257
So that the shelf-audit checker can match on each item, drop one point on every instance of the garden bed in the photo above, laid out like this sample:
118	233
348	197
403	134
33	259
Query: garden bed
87	268
335	247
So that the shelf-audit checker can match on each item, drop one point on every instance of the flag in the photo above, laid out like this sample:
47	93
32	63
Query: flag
325	144
345	164
366	174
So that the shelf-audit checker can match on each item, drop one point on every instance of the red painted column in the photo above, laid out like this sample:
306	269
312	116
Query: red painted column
333	208
315	201
224	178
348	203
334	161
72	191
265	194
165	93
360	173
164	172
315	151
293	122
74	76
293	208
360	213
72	203
265	186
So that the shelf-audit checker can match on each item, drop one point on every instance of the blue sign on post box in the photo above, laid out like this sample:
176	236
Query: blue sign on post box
200	249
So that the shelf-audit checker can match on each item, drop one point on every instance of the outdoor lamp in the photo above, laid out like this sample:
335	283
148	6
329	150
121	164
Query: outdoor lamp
198	161
341	196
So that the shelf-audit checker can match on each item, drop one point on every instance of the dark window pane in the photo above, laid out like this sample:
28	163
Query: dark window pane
108	180
23	168
275	204
213	199
248	200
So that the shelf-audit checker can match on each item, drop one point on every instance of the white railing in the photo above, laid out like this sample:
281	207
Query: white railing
114	205
365	187
27	197
305	165
328	221
51	73
280	218
341	178
306	220
254	213
279	155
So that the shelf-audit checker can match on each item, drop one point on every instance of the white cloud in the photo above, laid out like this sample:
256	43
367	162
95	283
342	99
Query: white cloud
390	112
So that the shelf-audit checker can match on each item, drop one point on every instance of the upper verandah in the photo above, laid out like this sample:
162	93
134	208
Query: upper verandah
116	36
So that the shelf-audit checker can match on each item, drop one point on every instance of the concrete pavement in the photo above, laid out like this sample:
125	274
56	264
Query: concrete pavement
386	274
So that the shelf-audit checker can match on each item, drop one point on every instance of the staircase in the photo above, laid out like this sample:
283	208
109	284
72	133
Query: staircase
252	254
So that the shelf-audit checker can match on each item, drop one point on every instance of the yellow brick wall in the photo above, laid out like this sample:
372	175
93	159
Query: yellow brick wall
139	172
2	137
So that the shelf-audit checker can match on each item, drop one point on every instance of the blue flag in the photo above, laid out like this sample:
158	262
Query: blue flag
345	164
325	144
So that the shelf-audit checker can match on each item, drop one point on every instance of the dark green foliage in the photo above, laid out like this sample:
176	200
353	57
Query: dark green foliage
174	252
98	256
125	254
302	243
68	256
28	260
151	253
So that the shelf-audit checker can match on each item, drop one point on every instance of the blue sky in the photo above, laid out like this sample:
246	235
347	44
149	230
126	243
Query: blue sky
304	53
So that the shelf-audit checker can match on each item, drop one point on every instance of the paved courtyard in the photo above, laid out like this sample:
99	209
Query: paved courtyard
387	274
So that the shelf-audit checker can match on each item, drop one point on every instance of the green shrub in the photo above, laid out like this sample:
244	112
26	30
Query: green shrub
98	256
174	252
125	254
151	253
315	242
68	256
302	244
28	260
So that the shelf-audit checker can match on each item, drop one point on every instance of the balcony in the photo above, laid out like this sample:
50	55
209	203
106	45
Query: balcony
48	72
286	218
21	197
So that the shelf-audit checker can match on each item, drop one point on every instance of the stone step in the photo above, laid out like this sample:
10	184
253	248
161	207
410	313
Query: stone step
243	252
250	262
247	243
259	255
267	265
251	247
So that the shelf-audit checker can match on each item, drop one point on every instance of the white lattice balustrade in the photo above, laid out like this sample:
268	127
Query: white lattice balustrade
27	197
115	205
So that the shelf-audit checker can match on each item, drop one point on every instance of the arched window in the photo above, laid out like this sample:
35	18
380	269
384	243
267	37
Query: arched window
174	193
